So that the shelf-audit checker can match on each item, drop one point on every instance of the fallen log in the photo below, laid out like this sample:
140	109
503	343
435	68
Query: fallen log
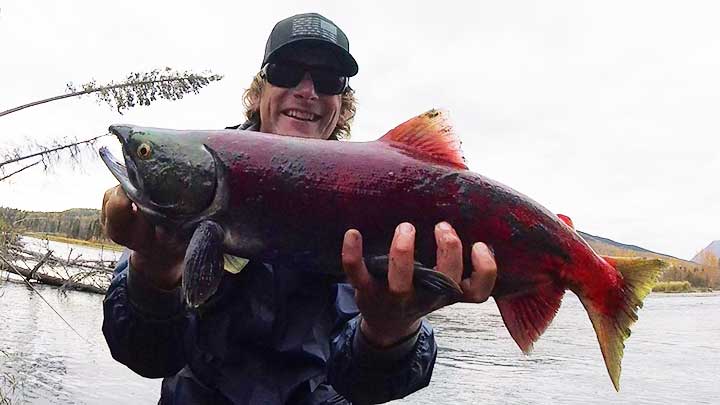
107	265
7	266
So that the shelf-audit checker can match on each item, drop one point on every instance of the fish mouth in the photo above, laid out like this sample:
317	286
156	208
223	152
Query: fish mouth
120	172
128	180
127	175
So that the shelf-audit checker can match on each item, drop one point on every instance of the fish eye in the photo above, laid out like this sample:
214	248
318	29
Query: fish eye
144	151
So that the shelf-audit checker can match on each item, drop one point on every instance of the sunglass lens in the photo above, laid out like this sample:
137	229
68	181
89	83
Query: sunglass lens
288	76
284	75
328	82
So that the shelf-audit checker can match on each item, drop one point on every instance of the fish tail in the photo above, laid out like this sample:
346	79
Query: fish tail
612	320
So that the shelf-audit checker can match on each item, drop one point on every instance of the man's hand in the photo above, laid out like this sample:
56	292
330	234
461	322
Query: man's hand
392	312
155	253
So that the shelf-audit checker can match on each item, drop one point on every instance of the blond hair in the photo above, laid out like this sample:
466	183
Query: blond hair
251	102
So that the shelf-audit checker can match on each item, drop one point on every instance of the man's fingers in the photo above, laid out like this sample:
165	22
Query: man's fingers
352	259
479	286
117	214
401	260
449	251
124	224
110	195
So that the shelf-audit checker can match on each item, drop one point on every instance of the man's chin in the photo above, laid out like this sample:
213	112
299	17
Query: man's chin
300	130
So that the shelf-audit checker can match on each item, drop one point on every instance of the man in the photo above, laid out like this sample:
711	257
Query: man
282	332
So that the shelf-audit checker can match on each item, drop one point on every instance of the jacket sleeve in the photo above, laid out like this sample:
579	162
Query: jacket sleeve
144	327
366	375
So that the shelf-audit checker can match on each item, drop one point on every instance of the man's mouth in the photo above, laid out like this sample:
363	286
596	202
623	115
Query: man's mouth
301	115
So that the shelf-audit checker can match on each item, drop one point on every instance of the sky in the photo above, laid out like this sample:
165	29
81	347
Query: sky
603	111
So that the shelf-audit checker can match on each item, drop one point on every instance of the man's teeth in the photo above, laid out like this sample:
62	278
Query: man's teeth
301	115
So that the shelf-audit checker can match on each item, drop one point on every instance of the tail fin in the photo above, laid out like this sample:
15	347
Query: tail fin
639	276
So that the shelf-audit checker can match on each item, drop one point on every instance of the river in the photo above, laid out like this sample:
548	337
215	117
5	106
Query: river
673	356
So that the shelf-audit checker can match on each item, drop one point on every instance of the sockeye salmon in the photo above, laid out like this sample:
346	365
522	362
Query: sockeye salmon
270	197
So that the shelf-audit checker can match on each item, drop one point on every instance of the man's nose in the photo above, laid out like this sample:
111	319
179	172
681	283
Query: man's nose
306	88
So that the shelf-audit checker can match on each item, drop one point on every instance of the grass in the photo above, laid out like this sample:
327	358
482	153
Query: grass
63	239
8	384
673	286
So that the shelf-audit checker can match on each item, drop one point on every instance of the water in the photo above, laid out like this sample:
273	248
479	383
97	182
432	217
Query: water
67	250
673	356
50	363
45	361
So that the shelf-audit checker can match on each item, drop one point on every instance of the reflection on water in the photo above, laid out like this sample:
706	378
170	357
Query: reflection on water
45	361
673	356
50	363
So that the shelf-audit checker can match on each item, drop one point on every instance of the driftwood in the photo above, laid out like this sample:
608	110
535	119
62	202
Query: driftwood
38	265
29	275
70	273
69	262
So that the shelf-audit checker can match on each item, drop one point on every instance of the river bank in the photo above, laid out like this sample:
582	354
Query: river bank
673	287
79	242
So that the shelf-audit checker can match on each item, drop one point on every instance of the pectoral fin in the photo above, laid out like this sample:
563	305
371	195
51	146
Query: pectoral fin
204	264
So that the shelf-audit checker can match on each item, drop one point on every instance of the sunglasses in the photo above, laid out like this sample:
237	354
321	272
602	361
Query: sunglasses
287	75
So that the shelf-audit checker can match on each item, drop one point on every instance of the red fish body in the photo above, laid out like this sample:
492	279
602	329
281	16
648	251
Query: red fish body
291	198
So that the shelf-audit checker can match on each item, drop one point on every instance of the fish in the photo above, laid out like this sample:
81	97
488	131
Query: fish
278	198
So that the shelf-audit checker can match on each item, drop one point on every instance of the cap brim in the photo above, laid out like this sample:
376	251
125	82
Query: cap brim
346	63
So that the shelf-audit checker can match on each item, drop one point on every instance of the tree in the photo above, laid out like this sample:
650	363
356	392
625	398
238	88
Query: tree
136	89
708	258
75	229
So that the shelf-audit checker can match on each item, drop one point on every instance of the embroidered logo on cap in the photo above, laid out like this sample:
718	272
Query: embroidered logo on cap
314	26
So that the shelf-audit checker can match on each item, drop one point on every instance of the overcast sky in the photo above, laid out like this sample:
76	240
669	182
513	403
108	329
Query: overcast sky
602	110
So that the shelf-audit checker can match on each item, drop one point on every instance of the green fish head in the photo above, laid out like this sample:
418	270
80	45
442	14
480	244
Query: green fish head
167	173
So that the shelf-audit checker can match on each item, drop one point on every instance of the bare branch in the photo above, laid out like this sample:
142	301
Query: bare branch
20	170
51	150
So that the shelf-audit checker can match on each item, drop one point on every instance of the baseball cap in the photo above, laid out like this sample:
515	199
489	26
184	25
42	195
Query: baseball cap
310	29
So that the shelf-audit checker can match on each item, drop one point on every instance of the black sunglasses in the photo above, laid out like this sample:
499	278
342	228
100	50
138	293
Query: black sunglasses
289	75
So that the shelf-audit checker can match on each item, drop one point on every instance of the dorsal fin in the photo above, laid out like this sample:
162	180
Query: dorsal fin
429	134
567	220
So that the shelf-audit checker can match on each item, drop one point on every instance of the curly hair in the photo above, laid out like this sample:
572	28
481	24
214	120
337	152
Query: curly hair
251	102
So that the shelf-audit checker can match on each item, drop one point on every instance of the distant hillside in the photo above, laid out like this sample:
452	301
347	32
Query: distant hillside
609	247
699	275
81	223
712	250
76	223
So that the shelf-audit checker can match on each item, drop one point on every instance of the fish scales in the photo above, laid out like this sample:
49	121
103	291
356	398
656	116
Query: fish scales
277	198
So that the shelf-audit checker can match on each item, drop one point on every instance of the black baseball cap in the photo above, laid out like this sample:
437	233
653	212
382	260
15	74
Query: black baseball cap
314	30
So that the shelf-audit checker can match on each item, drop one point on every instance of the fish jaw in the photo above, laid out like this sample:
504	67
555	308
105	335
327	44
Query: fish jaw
122	132
120	172
178	180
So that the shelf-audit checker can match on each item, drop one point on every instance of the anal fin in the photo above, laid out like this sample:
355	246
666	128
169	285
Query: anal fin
528	314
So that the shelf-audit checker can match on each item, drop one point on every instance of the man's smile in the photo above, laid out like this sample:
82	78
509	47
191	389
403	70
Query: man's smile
301	115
